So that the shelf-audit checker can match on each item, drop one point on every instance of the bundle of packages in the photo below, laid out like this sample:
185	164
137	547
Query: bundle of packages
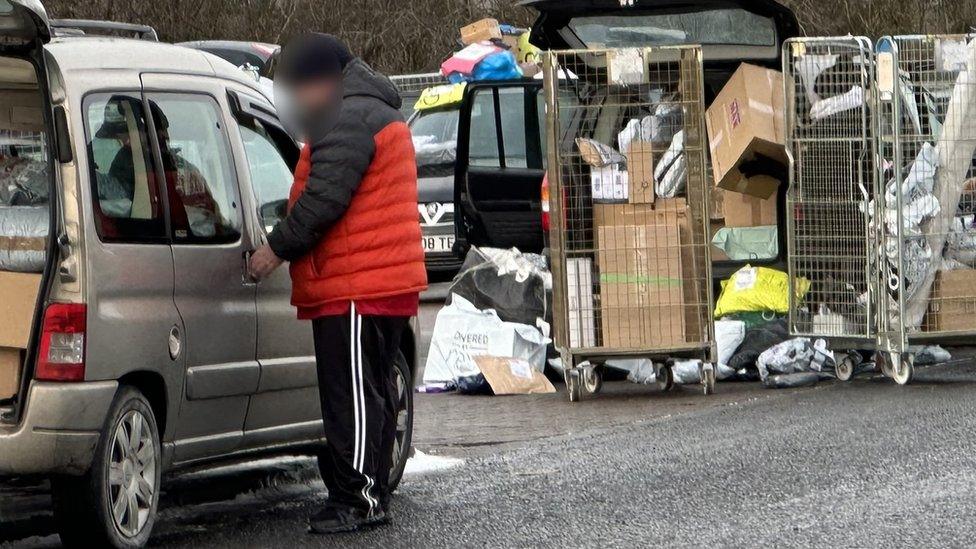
957	143
23	238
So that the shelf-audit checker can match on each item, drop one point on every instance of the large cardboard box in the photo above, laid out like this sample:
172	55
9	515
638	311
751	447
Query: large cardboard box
10	364
18	299
640	173
744	210
485	29
952	307
677	211
641	294
746	120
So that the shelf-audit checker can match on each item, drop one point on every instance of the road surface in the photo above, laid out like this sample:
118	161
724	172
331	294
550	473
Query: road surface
866	464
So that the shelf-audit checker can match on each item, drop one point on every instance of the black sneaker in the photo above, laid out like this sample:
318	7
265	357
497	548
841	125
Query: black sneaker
337	519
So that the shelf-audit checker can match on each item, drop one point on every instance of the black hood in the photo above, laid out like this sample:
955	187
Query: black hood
360	80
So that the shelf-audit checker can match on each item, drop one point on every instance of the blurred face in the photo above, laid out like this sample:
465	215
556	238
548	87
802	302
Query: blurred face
310	109
317	95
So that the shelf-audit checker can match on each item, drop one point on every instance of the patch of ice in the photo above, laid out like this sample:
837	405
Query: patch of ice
422	463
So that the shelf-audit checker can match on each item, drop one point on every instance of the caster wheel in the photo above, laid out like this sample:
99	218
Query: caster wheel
881	359
665	377
574	385
902	368
708	379
845	368
592	380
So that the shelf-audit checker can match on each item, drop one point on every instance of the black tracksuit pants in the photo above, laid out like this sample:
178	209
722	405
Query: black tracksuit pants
354	355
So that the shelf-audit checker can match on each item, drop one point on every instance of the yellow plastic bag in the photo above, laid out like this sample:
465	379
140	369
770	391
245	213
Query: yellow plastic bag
527	52
444	95
758	289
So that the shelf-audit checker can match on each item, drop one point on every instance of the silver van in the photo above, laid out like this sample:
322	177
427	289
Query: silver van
147	172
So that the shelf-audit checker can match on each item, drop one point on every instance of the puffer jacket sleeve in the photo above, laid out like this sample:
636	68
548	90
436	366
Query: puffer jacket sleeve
339	162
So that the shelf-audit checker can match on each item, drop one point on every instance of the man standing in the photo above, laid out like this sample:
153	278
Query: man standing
352	236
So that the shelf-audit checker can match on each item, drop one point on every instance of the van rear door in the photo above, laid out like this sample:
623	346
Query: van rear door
27	169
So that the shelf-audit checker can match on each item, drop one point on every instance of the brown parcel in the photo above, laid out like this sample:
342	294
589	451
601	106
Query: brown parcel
953	305
641	296
485	29
10	361
512	376
640	173
744	210
670	212
744	120
18	299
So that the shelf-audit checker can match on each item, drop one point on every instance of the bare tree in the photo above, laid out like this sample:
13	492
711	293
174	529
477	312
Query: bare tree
399	36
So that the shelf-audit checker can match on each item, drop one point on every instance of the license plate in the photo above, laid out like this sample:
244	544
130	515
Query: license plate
437	244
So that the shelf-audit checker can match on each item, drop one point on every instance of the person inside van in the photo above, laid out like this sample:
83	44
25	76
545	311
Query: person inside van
353	238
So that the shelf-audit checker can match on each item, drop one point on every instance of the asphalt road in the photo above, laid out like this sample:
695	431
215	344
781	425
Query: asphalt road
863	464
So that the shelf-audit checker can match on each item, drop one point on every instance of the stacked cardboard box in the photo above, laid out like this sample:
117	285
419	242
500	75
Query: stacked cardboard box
649	293
746	123
18	297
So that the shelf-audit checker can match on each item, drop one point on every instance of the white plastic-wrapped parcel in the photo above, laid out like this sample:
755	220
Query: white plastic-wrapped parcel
23	238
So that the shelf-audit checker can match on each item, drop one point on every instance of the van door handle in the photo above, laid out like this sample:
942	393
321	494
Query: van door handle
246	278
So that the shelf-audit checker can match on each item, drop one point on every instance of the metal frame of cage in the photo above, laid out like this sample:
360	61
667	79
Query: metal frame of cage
831	242
926	115
415	83
629	280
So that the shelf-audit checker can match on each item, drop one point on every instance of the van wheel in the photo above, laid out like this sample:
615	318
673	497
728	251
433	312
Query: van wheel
403	380
404	420
115	503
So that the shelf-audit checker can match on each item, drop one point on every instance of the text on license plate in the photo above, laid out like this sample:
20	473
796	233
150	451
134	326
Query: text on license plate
437	244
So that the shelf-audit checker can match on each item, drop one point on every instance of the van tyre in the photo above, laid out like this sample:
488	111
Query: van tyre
115	503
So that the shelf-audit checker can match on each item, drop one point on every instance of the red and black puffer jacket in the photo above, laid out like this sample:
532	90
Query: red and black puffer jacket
352	231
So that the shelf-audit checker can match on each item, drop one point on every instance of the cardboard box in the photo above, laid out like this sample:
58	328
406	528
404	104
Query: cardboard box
609	183
485	29
582	318
513	376
640	173
10	364
18	299
952	306
746	120
641	293
692	266
744	210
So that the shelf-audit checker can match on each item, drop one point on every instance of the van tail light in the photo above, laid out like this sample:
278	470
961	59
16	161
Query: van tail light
62	354
545	203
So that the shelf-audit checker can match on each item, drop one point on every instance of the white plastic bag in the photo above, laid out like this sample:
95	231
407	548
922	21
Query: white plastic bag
461	331
920	178
675	180
674	151
837	104
729	334
794	356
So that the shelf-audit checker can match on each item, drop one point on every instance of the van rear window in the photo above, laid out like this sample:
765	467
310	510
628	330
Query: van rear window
710	27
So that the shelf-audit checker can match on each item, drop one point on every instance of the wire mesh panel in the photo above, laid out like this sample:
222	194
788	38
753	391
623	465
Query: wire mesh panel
927	92
416	83
629	234
832	243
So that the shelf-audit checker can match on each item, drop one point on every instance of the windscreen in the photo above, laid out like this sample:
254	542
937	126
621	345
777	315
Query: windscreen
435	141
711	27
